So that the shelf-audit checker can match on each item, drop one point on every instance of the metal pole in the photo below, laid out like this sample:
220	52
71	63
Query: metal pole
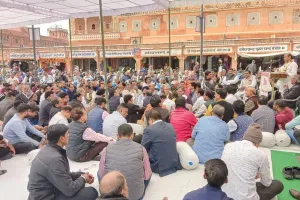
170	58
34	47
201	44
71	50
2	49
103	52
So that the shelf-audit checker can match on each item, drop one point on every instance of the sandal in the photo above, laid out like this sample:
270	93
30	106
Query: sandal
3	172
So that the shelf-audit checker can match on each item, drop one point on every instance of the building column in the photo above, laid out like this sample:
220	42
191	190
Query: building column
181	63
68	65
233	61
85	26
291	46
138	63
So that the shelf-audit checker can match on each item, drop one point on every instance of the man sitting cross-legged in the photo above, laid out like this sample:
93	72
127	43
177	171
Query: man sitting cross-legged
50	176
159	139
15	131
246	163
130	158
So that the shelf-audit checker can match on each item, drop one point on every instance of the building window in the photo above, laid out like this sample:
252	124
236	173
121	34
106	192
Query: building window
5	38
107	26
93	27
17	41
80	28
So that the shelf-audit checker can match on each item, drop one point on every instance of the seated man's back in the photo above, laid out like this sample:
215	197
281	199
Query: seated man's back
210	134
159	139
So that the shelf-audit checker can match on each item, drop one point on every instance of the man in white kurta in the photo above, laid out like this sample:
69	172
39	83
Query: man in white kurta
291	68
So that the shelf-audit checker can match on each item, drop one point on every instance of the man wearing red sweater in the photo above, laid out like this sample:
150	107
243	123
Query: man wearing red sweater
283	116
182	120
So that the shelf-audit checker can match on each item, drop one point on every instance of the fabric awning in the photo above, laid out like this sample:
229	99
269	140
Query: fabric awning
16	13
249	55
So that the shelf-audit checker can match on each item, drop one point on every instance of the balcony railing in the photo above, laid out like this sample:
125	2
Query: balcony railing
96	36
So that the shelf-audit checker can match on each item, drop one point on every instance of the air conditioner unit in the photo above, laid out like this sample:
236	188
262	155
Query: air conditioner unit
135	41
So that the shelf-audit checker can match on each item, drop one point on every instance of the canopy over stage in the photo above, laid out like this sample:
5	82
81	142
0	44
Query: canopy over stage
16	13
30	12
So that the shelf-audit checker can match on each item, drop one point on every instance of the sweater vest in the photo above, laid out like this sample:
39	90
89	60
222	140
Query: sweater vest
243	122
126	156
77	147
94	119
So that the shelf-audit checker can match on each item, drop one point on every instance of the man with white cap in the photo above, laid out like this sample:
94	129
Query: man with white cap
246	163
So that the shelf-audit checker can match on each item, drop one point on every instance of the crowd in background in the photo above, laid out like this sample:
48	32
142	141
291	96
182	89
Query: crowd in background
76	118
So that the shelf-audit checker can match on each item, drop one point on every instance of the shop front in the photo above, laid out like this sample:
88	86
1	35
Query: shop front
49	60
85	60
159	58
265	57
210	57
25	61
117	60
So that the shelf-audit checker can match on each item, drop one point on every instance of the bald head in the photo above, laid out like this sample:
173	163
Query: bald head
113	183
250	91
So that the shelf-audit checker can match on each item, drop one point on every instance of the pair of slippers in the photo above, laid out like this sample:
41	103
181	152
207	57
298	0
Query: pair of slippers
291	173
3	172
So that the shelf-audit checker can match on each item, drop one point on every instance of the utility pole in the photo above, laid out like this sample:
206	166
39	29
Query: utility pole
34	46
201	43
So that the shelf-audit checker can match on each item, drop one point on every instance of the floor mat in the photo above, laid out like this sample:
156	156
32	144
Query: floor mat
279	161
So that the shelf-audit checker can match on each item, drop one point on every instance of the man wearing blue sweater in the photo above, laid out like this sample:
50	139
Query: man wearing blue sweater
216	173
15	131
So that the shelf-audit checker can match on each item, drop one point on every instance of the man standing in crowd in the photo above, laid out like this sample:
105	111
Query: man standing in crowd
159	139
264	115
50	176
97	115
114	120
129	158
15	131
252	67
210	135
290	68
246	163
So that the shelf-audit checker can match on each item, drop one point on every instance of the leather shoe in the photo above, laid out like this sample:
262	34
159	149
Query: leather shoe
288	173
296	171
295	194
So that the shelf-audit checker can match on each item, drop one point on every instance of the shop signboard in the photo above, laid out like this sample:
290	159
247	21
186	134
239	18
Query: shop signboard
259	49
162	52
118	54
208	51
52	55
84	54
21	56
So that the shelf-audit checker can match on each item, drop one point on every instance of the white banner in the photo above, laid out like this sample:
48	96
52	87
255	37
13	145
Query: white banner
84	54
52	55
163	52
258	49
265	85
208	51
117	54
296	47
21	56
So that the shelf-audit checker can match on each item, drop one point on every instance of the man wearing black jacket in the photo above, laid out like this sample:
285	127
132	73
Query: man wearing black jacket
293	92
50	177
